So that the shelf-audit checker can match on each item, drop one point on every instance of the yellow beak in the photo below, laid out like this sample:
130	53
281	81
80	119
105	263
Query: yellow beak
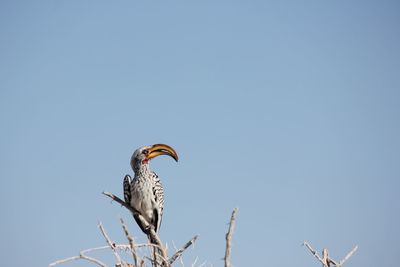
162	149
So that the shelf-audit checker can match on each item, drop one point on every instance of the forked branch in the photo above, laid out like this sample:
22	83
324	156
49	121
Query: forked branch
325	259
180	251
131	242
150	229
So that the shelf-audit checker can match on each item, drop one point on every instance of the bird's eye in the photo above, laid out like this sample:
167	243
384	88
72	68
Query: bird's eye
145	152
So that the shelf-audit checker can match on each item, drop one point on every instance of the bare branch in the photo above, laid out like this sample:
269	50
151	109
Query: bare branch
348	256
180	251
111	244
228	238
325	257
314	252
331	261
176	249
120	201
80	256
195	261
326	260
130	240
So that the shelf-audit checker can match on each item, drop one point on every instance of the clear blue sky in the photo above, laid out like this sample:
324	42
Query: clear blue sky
288	110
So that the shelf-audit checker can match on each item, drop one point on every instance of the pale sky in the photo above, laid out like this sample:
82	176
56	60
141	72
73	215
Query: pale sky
288	110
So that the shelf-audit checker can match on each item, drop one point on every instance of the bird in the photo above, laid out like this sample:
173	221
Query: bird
145	192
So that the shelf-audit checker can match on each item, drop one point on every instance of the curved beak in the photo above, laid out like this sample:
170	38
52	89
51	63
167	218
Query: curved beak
162	149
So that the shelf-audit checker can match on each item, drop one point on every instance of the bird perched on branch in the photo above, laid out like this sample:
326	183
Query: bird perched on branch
145	193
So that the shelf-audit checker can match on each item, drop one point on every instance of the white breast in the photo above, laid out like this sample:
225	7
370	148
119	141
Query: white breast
143	198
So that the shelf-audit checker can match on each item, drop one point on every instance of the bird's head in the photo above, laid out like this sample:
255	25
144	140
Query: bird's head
143	155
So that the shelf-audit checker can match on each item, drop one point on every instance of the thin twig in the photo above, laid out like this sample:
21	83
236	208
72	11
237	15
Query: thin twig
348	256
180	251
130	240
119	246
180	258
111	244
195	261
120	201
314	252
331	261
228	238
80	256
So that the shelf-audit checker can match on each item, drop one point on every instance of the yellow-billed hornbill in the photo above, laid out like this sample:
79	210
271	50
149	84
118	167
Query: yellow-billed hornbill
145	192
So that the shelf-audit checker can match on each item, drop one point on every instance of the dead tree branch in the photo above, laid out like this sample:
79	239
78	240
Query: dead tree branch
150	229
348	256
82	255
180	251
326	260
131	241
120	201
111	244
228	238
314	252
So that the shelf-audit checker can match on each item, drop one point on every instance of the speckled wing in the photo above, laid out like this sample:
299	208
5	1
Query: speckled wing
127	189
158	192
128	198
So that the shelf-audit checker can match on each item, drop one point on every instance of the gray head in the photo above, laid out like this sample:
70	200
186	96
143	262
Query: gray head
143	155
